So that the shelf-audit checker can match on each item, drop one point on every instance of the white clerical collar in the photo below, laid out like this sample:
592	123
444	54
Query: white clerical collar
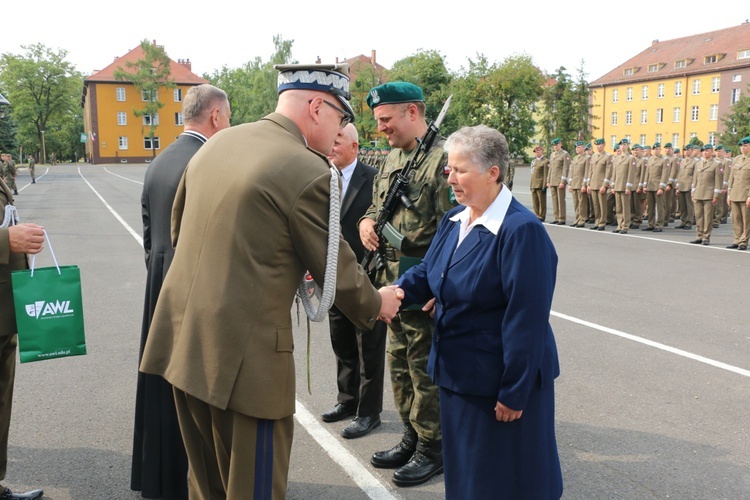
492	218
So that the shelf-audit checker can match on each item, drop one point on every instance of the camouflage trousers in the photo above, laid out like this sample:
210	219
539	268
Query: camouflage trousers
414	393
11	182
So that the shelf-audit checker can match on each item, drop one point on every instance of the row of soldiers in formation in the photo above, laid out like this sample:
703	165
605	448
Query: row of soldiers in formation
639	183
375	157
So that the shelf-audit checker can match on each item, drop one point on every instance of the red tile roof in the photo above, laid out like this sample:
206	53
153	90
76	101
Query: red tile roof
693	49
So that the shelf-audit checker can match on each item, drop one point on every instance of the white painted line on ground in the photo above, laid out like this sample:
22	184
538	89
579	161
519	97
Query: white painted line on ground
29	183
651	343
368	483
122	177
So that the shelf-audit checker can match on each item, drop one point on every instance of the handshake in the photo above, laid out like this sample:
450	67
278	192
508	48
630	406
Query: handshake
391	302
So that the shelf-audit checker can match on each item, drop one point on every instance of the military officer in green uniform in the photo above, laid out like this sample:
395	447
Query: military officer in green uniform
559	171
399	110
623	179
599	180
720	215
579	171
684	185
655	184
738	195
538	184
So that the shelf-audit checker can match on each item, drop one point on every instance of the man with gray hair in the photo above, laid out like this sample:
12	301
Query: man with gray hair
159	466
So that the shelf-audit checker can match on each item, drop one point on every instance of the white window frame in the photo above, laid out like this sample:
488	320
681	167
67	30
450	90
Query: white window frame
680	64
694	113
713	112
677	89
715	84
743	54
614	118
615	95
644	93
644	116
643	139
697	86
147	143
146	96
123	143
736	78
629	94
178	119
659	115
120	94
628	117
148	119
658	137
122	118
660	91
676	112
735	96
676	140
653	68
178	95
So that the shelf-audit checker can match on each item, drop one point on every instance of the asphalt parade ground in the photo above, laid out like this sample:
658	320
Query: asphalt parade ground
653	335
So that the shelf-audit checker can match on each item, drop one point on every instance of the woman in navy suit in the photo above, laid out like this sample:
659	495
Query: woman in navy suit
491	270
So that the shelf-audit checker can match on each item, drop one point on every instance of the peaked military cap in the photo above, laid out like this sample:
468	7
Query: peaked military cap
330	78
394	93
599	141
556	140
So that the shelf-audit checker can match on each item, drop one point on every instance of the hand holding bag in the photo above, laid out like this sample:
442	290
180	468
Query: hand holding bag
49	311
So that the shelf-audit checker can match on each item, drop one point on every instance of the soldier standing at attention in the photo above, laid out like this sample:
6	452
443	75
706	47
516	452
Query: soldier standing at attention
399	110
585	189
601	172
636	195
623	175
579	168
539	173
684	185
738	195
655	182
673	163
10	173
559	170
720	214
32	169
706	190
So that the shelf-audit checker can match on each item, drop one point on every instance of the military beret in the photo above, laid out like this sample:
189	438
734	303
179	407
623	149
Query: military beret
636	146
688	146
707	146
394	93
580	143
719	147
744	140
676	150
624	141
330	78
728	150
599	141
556	140
587	146
646	146
657	144
668	145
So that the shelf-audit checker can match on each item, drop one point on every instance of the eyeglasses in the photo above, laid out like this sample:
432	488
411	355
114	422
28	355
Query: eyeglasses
346	119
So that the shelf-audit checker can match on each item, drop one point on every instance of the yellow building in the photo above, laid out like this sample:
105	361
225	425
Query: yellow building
115	134
674	90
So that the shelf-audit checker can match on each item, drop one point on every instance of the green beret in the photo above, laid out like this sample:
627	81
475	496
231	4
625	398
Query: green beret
580	143
556	140
394	93
676	150
636	146
657	145
587	146
707	146
668	145
646	146
624	141
599	141
688	146
744	140
719	147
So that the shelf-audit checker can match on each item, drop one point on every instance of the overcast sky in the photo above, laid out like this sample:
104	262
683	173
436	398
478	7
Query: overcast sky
218	33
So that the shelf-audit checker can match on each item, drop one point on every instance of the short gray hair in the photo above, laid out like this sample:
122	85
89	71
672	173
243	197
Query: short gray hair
199	100
484	145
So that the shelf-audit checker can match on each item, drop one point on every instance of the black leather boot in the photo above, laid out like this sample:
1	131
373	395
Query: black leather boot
426	462
399	454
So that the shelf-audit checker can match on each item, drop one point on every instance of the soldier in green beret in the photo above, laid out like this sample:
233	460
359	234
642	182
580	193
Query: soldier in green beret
559	171
738	195
579	167
720	216
655	184
538	183
399	109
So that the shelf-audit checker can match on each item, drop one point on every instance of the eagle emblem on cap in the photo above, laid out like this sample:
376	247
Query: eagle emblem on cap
375	96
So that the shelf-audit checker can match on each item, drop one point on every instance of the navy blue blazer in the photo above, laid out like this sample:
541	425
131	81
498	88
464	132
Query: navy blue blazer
493	297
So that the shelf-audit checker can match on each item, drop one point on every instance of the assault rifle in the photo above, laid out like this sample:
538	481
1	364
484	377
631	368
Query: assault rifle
397	193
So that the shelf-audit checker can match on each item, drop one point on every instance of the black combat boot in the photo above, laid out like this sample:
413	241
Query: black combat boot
399	454
426	462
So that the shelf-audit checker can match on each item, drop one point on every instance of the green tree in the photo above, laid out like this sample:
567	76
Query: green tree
560	118
365	79
582	114
45	93
149	75
426	69
736	122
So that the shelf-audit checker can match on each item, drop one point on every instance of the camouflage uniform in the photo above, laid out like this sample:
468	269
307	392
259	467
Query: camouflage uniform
410	333
10	175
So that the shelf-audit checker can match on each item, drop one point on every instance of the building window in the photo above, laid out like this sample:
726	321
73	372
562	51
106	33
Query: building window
614	118
644	116
660	115
628	117
615	94
710	59
676	115
736	78
713	113
146	96
177	95
676	140
715	82
712	138
178	119
735	95
123	142
693	135
147	143
149	120
629	96
680	64
658	137
653	68
743	54
694	113
643	139
120	94
122	118
677	89
660	91
696	87
628	72
644	92
613	141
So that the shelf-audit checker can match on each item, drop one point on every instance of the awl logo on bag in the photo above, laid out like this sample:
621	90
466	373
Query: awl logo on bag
42	308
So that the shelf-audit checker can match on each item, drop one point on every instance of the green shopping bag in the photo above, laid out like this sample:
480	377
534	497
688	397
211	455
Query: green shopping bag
49	311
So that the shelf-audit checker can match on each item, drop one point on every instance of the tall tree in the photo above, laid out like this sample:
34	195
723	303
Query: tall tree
365	78
737	121
582	115
426	69
45	92
559	116
149	74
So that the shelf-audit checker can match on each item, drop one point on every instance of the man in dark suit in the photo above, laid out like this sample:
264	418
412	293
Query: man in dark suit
159	467
360	355
251	215
15	242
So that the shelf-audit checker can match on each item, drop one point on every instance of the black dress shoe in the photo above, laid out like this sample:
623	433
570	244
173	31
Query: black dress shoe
657	230
706	242
696	242
426	462
681	226
29	495
742	247
595	228
687	227
399	455
361	426
733	245
647	229
616	231
634	226
600	228
580	225
623	231
339	412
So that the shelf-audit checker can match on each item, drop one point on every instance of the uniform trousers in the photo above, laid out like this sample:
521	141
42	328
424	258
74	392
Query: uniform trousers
636	207
704	218
721	208
539	202
687	208
581	206
414	393
558	202
232	455
8	345
657	209
623	210
740	222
